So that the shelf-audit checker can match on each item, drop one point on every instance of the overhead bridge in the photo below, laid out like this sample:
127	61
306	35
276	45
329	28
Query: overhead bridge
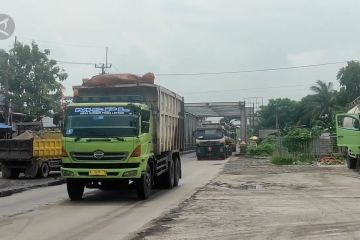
235	110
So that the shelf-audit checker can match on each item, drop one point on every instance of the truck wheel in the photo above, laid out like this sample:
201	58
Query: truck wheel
6	172
75	189
32	170
44	170
351	162
143	185
177	171
169	176
14	173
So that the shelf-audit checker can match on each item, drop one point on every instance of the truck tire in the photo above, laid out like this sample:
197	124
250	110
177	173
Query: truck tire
6	172
44	170
14	173
169	176
10	173
75	189
177	171
32	170
351	162
143	185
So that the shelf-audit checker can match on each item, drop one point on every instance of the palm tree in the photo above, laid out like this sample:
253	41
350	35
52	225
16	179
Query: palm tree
324	101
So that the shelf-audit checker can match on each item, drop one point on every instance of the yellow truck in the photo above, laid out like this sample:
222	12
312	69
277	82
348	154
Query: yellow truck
33	153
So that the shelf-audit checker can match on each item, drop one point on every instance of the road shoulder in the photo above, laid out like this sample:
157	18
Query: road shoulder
253	199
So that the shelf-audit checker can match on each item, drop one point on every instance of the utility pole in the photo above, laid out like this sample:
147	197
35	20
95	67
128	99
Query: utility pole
6	94
105	65
7	100
276	117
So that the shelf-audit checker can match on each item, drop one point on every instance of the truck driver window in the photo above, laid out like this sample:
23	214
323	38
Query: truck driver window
145	118
348	122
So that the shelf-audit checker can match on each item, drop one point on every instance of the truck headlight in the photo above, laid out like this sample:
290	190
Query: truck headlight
67	173
131	173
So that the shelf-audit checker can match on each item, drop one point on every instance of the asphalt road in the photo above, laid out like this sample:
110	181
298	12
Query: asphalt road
46	213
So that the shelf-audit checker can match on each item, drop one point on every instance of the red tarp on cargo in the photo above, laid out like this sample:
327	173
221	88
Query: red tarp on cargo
115	79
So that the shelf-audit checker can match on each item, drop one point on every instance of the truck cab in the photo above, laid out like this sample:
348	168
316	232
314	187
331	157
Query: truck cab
106	140
348	136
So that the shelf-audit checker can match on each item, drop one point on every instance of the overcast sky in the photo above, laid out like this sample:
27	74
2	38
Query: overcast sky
185	36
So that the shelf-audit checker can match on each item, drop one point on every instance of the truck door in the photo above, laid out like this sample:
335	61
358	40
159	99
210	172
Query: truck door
348	130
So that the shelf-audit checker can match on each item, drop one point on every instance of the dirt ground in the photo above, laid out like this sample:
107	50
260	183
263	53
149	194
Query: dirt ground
11	186
253	199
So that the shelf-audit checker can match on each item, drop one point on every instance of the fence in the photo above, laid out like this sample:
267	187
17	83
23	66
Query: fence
317	147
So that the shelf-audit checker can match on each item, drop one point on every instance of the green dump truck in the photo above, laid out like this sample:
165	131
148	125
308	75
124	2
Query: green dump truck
123	135
348	133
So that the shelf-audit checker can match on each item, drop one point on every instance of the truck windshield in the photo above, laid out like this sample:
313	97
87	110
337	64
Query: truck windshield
209	134
101	124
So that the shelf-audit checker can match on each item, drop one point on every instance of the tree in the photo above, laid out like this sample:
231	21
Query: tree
305	110
34	80
282	111
349	78
323	103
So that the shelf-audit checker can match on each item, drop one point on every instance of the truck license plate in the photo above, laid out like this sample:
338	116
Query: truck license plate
97	173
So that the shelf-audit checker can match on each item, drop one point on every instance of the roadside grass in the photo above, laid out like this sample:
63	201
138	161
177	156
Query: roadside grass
292	159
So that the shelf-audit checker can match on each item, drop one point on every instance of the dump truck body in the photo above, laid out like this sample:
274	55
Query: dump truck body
33	156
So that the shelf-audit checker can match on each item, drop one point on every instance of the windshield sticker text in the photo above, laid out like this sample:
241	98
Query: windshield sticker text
103	111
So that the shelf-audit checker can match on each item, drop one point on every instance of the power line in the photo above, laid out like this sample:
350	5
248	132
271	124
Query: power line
75	63
253	70
245	89
116	68
61	43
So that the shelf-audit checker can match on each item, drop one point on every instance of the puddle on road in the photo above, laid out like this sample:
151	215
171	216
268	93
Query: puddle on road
242	186
250	187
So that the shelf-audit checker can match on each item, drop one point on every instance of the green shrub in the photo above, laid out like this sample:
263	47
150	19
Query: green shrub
298	159
266	148
279	160
297	138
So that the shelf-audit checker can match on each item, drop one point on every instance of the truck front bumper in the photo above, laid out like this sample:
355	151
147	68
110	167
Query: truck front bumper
81	170
210	151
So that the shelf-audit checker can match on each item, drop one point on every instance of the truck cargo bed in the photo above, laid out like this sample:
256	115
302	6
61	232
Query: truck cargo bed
16	149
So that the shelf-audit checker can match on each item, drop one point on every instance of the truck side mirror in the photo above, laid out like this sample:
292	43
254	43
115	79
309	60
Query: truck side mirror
145	115
145	127
356	124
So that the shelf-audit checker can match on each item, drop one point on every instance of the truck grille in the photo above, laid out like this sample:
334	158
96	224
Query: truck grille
88	156
101	165
209	143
